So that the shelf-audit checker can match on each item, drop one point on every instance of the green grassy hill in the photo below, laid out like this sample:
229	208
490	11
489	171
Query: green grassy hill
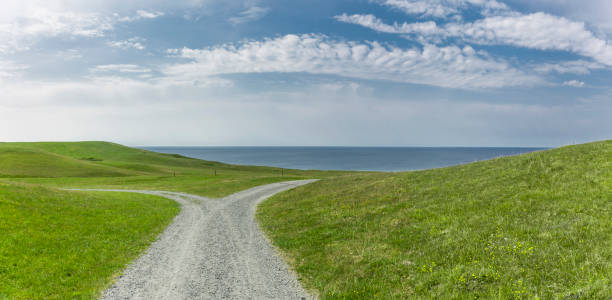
126	160
27	162
534	226
109	165
66	244
131	159
537	225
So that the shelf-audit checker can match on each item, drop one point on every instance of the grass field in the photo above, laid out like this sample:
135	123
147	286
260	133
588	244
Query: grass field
108	165
537	225
534	226
65	245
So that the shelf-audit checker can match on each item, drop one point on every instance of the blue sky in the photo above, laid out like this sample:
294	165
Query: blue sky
352	73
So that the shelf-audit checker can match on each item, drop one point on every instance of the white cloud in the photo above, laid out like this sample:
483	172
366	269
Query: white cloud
539	31
449	66
424	8
22	23
18	33
131	43
146	113
594	12
581	67
9	69
140	14
121	68
443	8
250	14
574	83
19	8
132	104
372	22
70	54
536	31
143	14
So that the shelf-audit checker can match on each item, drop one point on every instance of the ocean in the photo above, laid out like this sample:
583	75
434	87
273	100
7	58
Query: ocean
346	158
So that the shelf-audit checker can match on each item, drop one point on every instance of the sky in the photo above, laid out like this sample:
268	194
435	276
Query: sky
307	73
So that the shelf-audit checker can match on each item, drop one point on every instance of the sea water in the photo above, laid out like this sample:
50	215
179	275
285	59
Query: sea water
346	158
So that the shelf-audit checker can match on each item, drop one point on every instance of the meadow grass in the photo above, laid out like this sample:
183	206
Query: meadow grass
210	186
109	165
66	245
58	244
538	225
24	162
532	226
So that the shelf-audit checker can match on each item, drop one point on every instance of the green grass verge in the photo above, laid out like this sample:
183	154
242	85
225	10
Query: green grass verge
210	186
537	225
63	245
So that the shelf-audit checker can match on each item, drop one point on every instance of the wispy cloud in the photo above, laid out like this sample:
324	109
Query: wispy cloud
18	31
449	66
374	23
140	14
594	12
367	80
131	43
574	83
539	31
9	69
581	67
443	8
70	54
250	14
121	68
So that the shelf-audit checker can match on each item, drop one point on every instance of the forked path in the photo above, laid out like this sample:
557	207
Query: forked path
213	250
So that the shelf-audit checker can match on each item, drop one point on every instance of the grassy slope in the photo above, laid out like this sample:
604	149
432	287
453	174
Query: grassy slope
538	224
66	244
24	162
60	245
136	161
108	165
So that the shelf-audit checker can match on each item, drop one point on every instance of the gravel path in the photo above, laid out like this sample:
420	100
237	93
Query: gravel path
213	250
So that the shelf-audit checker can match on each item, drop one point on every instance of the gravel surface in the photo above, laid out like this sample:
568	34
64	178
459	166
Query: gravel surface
213	250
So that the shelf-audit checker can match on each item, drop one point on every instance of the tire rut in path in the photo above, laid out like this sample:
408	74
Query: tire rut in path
214	249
